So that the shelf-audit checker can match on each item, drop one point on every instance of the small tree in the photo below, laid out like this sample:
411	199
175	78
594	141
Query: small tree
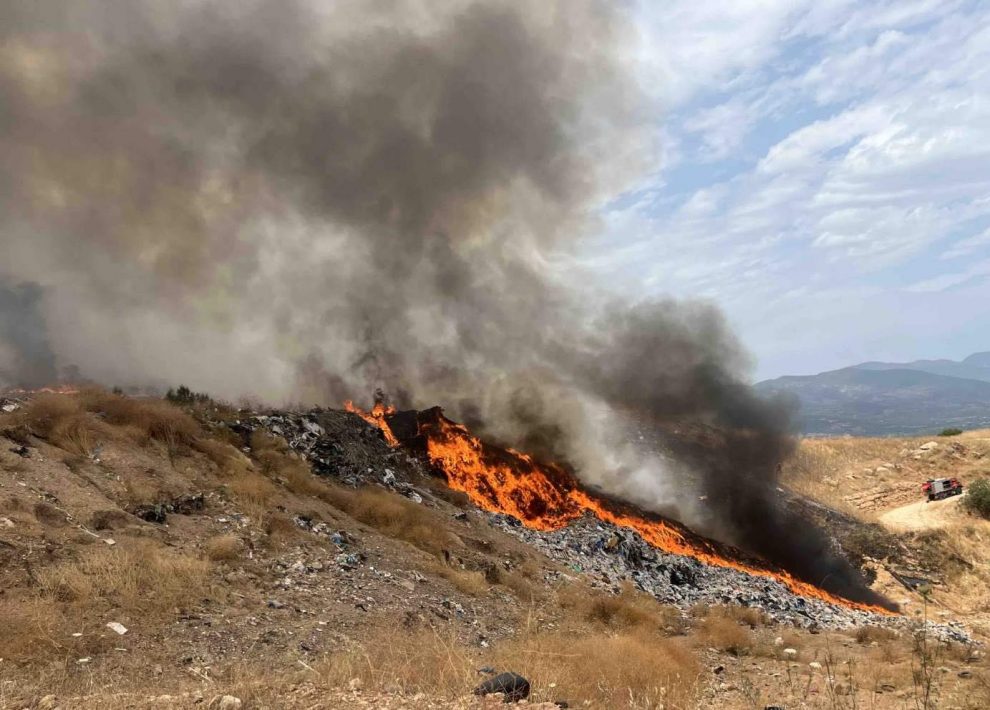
184	395
951	431
977	500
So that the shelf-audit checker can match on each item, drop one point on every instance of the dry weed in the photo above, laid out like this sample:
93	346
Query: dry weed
141	577
62	422
224	548
726	634
627	670
154	418
630	609
392	515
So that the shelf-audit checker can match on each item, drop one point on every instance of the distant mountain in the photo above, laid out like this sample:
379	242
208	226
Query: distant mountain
877	399
975	367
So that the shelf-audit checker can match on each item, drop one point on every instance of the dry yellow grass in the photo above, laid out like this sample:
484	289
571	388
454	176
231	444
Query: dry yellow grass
224	548
725	634
142	576
63	422
631	669
153	418
630	609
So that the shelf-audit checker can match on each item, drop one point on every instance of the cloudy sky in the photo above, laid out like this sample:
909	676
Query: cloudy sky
825	176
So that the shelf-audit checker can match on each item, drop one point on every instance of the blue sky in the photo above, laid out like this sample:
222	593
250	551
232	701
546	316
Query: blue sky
824	176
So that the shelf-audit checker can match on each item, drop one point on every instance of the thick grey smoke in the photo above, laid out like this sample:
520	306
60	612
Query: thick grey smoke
25	357
308	201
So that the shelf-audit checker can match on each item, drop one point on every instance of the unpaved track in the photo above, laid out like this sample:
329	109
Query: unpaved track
923	515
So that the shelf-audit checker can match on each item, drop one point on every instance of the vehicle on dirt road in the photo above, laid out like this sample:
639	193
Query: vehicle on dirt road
939	488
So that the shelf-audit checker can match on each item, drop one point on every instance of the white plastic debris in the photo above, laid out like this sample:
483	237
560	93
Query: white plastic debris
117	626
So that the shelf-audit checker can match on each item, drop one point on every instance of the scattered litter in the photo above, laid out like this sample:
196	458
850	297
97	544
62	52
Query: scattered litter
117	627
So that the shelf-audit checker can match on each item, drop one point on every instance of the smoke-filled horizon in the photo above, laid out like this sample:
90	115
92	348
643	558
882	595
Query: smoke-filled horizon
303	203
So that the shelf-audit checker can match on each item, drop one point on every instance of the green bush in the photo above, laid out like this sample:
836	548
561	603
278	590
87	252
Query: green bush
977	500
951	431
184	395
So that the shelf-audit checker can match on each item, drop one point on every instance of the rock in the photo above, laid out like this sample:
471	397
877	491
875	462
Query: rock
354	684
779	641
225	702
512	685
275	604
965	674
928	446
49	702
117	627
6	523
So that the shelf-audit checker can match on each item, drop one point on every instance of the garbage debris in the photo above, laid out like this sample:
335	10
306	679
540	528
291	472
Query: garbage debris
117	627
512	686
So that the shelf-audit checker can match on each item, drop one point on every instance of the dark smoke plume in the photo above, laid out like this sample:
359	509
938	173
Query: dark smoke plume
308	201
25	357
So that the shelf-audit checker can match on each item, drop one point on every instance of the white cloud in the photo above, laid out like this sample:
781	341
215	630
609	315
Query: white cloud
863	131
970	245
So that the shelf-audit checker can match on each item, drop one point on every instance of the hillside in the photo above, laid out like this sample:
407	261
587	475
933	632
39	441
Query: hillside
284	560
974	367
875	400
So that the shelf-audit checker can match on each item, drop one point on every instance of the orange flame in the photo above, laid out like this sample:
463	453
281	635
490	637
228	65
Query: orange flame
376	417
547	497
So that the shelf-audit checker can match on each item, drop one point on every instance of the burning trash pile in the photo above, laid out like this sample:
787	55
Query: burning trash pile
608	542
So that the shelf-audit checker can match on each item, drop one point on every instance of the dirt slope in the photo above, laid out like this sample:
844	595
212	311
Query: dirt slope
924	515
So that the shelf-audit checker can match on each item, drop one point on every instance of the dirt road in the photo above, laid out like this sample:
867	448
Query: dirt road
923	515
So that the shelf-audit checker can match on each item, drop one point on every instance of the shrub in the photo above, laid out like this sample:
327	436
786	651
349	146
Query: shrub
184	395
977	500
951	431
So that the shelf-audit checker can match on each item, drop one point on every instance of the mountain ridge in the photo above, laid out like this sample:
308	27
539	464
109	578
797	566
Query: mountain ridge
881	399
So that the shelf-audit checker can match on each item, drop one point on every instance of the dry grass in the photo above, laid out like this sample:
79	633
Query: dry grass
153	419
29	625
79	423
874	634
142	577
630	609
253	491
391	515
224	548
626	670
725	634
63	422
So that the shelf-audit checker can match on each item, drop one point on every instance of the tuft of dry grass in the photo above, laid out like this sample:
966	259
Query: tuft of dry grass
142	576
63	422
224	548
392	515
630	609
725	634
154	419
29	625
253	491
